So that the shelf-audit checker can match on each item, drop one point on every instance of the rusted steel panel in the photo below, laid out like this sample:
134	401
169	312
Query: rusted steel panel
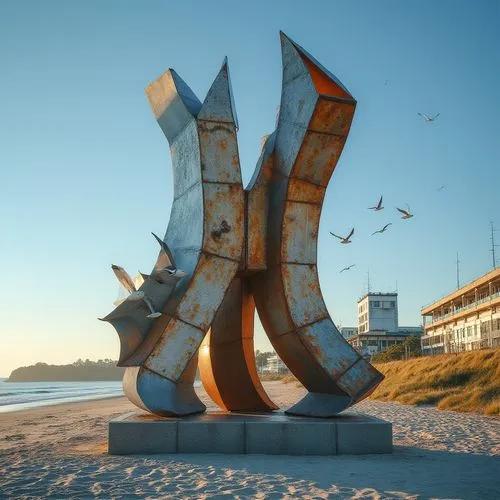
317	157
288	296
328	346
178	344
227	360
257	208
303	294
299	190
224	220
300	232
207	376
332	117
185	152
267	289
360	379
219	152
206	291
186	228
163	397
303	364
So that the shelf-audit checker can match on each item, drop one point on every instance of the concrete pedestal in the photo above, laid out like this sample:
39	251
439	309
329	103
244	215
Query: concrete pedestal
240	433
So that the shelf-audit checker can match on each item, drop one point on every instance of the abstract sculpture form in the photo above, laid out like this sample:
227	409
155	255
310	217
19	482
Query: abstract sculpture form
239	249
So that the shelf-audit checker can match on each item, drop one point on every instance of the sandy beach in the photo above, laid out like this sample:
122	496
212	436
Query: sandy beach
61	451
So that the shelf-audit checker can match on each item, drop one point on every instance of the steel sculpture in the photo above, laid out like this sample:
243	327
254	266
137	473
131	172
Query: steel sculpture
229	250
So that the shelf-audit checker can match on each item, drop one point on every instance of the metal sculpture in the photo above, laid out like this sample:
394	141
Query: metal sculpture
239	249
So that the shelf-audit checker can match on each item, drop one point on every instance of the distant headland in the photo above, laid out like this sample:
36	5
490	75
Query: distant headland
79	371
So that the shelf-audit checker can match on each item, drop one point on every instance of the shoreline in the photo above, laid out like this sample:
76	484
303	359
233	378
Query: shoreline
211	405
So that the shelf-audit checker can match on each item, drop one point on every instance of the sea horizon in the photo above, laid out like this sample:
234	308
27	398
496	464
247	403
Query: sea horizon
17	396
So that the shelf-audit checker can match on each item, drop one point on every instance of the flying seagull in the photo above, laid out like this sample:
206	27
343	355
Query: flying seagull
378	206
346	239
383	229
440	188
165	266
427	118
346	268
125	279
406	213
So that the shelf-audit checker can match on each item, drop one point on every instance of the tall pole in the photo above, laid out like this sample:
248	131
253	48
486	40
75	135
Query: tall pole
458	273
492	237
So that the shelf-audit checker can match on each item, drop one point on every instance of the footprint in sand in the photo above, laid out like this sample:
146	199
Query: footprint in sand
15	437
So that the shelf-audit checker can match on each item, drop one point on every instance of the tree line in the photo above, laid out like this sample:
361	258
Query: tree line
103	369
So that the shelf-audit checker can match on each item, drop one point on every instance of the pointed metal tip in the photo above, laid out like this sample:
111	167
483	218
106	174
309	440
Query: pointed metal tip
115	267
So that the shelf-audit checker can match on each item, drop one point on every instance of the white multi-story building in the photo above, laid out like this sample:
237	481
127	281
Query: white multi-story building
468	318
275	365
348	331
378	311
378	326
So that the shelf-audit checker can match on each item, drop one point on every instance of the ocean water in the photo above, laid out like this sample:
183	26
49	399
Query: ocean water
16	396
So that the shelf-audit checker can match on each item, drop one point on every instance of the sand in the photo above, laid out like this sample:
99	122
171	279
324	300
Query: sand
60	451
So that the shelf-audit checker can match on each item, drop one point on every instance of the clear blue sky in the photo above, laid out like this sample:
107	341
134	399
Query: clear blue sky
85	172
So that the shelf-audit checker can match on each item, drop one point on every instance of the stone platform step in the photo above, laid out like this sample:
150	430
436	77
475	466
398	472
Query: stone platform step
240	433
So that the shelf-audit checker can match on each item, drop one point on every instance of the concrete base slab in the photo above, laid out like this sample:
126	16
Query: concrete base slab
240	433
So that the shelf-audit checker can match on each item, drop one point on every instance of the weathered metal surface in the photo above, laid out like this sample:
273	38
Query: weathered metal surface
227	359
315	116
320	341
257	207
223	225
300	232
360	379
161	396
231	244
303	294
206	291
177	345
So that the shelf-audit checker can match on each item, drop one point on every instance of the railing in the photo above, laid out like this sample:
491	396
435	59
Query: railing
458	310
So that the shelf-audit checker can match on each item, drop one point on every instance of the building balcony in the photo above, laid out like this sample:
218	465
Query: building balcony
476	306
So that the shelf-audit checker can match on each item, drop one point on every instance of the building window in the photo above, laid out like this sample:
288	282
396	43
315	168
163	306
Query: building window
376	303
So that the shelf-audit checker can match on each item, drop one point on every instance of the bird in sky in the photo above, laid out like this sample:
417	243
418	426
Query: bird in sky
346	268
378	206
342	239
427	118
406	213
383	229
440	188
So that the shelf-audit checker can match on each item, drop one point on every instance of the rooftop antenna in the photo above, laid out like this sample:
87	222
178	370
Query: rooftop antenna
368	278
458	273
492	237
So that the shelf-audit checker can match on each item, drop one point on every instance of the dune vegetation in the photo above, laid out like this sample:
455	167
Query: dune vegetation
464	382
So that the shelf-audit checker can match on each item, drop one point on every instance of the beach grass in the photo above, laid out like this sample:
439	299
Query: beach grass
464	382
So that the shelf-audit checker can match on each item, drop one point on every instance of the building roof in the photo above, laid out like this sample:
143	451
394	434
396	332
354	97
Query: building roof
469	287
378	294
